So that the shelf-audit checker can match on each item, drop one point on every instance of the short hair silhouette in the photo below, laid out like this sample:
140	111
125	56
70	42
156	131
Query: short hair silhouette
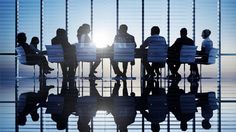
21	37
86	28
61	32
206	33
206	124
34	40
183	126
35	116
123	28
155	30
155	127
21	120
183	32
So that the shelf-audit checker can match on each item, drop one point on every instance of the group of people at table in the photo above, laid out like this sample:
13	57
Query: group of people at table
69	67
70	63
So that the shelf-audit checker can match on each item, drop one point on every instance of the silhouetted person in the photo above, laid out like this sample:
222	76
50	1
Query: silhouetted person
31	55
87	109
207	45
117	87
34	43
70	95
207	102
174	54
156	39
156	108
83	37
151	88
29	102
122	37
123	108
193	85
174	104
69	65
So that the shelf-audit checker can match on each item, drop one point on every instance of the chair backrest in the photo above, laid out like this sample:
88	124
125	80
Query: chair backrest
86	106
157	107
55	53
21	103
21	55
212	56
124	106
157	53
187	54
55	104
187	103
123	52
212	101
86	52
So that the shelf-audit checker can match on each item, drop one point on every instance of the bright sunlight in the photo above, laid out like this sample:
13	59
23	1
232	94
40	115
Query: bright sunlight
103	39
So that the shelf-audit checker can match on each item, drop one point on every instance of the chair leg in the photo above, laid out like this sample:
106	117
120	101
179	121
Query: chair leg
34	71
184	76
131	78
57	70
200	78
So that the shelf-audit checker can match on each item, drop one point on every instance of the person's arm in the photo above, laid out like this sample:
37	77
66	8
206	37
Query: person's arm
34	49
134	42
203	47
145	44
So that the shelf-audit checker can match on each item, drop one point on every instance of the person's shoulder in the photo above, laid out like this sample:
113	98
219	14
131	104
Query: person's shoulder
129	35
53	40
163	38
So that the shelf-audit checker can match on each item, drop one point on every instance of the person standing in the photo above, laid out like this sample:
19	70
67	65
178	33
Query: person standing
69	65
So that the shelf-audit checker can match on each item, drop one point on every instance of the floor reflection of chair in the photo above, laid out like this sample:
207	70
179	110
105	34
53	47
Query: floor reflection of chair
187	103
157	107
55	104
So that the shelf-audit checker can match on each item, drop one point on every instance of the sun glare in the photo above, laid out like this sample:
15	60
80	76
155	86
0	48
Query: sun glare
102	39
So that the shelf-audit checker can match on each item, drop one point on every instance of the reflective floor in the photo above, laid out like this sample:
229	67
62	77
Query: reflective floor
16	81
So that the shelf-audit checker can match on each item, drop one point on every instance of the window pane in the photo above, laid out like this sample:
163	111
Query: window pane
7	78
7	26
206	18
130	13
155	15
180	17
7	114
53	18
79	13
29	18
228	23
228	78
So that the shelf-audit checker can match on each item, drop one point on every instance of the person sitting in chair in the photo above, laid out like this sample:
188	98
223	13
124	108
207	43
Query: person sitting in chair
122	37
157	39
207	45
31	55
174	55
